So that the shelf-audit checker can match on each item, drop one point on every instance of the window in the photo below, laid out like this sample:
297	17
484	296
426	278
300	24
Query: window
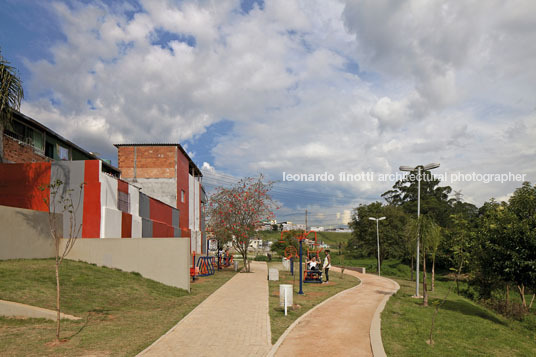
123	202
26	134
63	153
182	196
49	150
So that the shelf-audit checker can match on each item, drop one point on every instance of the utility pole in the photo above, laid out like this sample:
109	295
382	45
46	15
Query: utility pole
306	220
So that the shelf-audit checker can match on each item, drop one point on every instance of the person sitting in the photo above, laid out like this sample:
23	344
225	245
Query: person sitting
313	264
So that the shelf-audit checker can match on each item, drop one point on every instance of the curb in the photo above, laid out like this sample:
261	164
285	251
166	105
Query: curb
376	326
281	338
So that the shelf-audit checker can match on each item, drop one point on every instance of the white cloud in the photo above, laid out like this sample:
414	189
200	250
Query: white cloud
431	81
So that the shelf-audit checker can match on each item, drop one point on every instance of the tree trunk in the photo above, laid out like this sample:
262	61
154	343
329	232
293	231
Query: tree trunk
424	291
507	294
458	277
57	299
522	294
433	273
412	268
531	301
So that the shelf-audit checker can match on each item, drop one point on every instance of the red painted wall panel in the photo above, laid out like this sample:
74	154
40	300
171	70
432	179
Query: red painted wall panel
160	212
92	205
126	225
162	230
122	186
183	169
19	185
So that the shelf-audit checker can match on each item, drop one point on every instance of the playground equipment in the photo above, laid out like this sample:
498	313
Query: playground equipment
309	276
313	275
291	253
193	270
206	266
225	260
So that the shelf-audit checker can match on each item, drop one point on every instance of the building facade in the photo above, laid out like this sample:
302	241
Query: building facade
166	172
103	206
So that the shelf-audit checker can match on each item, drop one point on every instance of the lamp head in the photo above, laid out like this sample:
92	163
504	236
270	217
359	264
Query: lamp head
406	168
430	166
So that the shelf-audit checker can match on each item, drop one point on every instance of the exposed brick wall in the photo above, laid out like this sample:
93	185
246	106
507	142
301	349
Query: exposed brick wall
19	152
151	161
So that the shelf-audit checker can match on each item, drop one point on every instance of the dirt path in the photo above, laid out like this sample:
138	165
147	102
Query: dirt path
341	326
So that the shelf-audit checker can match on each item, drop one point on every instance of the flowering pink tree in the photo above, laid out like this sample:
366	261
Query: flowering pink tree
236	212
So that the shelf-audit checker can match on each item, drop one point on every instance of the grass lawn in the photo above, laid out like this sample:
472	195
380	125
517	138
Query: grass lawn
389	267
313	295
330	238
462	327
122	313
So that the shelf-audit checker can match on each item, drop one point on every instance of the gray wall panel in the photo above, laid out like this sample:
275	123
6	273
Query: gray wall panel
146	228
145	208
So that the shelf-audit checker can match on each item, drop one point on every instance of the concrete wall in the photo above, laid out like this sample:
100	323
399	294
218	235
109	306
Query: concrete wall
25	234
166	260
71	174
164	189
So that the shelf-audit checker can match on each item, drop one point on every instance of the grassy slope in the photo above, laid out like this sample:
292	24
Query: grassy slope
313	295
463	328
123	313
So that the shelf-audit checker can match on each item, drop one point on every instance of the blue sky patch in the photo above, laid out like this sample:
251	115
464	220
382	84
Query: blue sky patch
247	5
162	38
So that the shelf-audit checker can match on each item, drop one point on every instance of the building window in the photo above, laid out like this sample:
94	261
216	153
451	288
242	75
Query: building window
123	202
63	152
182	196
26	134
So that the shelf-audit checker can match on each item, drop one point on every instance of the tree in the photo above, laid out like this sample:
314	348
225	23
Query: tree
363	240
432	236
59	200
507	235
236	212
11	95
461	243
434	198
410	242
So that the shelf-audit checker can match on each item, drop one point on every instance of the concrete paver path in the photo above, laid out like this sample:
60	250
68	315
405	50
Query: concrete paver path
233	321
341	326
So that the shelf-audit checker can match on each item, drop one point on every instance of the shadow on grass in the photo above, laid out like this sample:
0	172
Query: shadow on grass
470	310
92	313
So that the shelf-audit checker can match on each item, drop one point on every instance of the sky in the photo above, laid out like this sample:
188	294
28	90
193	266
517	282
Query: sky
288	87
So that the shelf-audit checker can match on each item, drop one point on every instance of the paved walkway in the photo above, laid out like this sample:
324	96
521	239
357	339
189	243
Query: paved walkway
233	321
341	326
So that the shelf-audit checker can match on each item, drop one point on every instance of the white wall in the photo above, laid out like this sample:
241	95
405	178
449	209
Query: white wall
194	203
166	260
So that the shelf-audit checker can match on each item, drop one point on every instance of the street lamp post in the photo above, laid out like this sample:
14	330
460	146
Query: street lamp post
378	238
418	168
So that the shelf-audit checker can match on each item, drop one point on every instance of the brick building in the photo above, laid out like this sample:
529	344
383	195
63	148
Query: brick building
166	172
27	140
